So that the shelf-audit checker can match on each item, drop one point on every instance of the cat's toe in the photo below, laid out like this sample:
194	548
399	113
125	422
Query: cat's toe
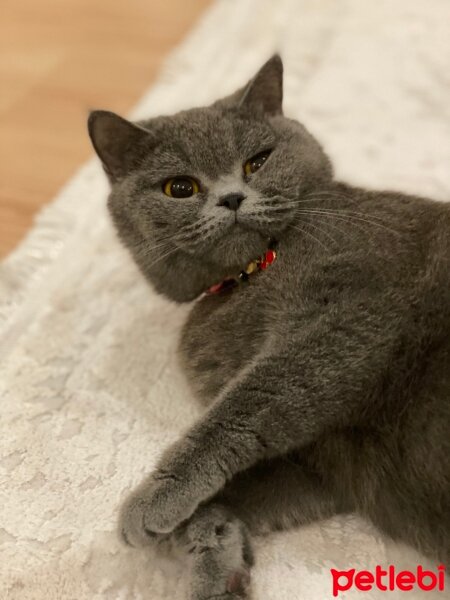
238	582
132	530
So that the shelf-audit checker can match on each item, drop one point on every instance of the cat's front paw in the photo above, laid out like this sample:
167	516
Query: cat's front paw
156	508
131	524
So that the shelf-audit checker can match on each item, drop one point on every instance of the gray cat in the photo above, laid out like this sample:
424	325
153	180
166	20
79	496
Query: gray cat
319	337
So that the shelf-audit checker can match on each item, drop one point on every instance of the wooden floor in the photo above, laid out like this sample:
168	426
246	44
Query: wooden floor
58	59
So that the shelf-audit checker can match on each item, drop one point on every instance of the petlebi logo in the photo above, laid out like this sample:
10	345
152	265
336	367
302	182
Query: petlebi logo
388	580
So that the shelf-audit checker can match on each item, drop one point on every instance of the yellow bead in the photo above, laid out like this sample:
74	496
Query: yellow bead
251	267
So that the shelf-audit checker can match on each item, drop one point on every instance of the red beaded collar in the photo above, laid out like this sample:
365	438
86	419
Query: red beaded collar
260	264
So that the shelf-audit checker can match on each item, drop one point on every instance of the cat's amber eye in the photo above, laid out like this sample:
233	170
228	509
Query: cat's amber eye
181	187
256	162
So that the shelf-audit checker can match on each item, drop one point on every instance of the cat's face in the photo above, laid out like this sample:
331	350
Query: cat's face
197	195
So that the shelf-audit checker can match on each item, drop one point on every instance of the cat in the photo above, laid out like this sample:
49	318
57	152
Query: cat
318	338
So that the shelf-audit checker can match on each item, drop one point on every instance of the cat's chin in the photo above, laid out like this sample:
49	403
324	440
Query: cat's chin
238	247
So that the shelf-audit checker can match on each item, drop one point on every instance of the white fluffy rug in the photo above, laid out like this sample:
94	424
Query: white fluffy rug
90	392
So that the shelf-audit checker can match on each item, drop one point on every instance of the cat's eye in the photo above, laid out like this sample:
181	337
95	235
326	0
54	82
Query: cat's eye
181	187
256	162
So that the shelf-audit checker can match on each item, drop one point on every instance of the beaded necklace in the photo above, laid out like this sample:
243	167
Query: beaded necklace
260	264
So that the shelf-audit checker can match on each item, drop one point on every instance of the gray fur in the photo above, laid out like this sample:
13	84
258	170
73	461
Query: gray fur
326	376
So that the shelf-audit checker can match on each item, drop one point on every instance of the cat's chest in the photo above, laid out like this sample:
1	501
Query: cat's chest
224	333
220	337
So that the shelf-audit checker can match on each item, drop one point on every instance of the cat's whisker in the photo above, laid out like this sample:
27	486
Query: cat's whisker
361	229
194	229
273	217
372	219
341	214
333	193
282	208
343	232
330	237
163	256
323	195
346	215
199	222
343	209
296	226
185	234
186	229
143	250
162	241
319	196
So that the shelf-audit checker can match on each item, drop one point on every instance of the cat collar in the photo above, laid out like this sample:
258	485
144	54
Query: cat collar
260	264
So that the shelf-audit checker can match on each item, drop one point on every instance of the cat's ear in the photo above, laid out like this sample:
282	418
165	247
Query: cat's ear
265	90
119	144
263	93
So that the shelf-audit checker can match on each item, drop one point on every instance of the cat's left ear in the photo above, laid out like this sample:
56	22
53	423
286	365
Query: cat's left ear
265	90
263	93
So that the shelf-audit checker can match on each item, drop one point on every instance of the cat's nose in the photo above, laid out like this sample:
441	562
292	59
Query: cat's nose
231	201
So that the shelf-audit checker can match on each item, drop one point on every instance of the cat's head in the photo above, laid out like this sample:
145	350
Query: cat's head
197	195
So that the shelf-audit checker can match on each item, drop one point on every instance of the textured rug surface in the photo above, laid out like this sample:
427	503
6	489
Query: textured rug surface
90	390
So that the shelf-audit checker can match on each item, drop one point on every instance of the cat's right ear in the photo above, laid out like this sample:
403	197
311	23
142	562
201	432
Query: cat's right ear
119	144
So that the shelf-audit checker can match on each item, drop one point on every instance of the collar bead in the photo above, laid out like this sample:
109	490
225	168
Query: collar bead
260	264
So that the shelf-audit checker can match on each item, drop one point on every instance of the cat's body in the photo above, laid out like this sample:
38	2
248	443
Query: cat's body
389	283
327	375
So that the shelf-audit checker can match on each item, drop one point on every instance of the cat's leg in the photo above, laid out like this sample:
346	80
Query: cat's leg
276	494
288	397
